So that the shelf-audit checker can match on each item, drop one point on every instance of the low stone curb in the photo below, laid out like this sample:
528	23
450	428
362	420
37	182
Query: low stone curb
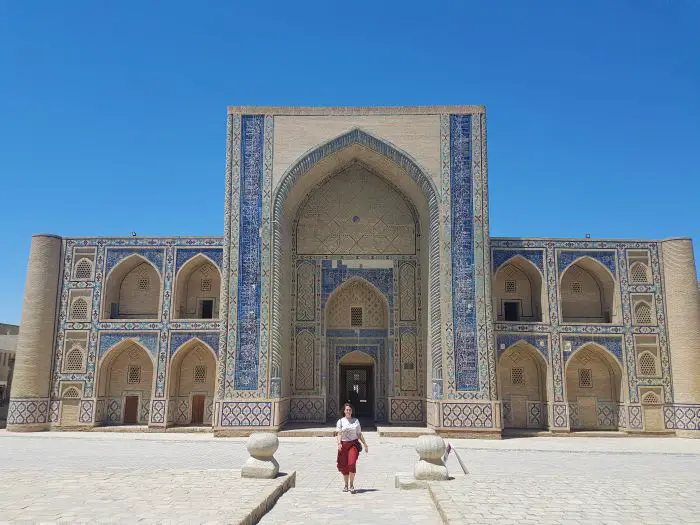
269	497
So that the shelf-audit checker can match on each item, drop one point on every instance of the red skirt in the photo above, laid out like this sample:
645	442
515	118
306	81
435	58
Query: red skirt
347	457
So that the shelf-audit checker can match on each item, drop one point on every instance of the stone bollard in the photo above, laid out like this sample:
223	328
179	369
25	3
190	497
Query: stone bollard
430	466
261	463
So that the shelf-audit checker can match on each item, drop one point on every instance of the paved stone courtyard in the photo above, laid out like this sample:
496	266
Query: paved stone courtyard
104	477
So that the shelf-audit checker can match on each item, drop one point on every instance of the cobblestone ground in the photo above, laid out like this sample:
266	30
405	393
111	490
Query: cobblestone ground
187	478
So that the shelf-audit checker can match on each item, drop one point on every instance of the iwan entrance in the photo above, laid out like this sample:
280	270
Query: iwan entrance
357	390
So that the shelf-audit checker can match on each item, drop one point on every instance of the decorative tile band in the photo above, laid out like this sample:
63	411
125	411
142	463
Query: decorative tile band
28	411
467	415
613	344
535	256
540	342
606	258
246	414
177	339
183	255
248	313
463	278
148	340
115	255
682	417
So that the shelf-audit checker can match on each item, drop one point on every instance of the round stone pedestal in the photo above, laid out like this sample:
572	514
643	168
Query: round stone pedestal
430	465
261	463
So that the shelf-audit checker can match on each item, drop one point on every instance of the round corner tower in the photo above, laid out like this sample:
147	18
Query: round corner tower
683	304
29	398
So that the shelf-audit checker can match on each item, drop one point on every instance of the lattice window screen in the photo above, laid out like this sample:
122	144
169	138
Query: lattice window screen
647	364
74	360
79	309
205	285
134	375
639	273
200	374
511	286
577	287
83	269
144	284
71	393
585	378
642	313
355	316
517	376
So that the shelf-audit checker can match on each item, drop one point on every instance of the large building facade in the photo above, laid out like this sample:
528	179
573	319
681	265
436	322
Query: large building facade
356	264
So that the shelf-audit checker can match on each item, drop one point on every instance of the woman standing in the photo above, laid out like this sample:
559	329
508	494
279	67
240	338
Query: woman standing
349	434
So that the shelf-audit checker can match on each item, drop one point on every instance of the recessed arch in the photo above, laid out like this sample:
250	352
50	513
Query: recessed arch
594	388
125	379
191	382
522	386
318	164
517	290
133	290
588	293
344	289
197	289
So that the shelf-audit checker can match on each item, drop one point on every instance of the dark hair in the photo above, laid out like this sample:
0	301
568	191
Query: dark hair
348	405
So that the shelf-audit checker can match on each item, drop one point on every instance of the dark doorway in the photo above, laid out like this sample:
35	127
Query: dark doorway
207	309
131	410
356	389
511	311
198	410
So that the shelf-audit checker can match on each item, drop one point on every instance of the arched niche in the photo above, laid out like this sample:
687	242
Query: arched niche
522	386
588	293
356	304
594	388
197	289
133	290
518	294
125	383
191	384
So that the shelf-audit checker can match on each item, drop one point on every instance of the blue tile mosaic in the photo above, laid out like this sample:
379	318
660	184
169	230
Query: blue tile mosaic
331	278
179	339
148	340
115	255
185	254
613	344
536	257
607	259
343	350
541	342
357	332
463	278
246	374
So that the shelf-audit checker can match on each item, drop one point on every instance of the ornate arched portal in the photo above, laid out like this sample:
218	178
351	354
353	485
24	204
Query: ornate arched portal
355	208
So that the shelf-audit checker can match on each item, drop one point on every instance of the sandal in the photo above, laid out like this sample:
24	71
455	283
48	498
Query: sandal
345	489
352	490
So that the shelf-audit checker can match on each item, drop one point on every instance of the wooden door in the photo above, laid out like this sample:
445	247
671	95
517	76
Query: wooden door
131	410
198	409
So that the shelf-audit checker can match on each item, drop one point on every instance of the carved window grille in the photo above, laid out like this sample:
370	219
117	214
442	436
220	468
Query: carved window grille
144	284
71	393
639	273
205	285
355	316
134	375
200	374
642	313
74	360
585	378
577	287
647	364
79	309
650	398
511	286
517	376
83	269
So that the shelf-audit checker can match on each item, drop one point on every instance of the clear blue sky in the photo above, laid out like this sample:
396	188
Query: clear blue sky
112	119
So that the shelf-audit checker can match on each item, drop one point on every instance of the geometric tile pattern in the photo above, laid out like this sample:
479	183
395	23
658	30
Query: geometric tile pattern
55	410
27	411
613	344
86	406
158	411
463	285
534	256
246	414
683	417
608	415
407	410
635	417
606	258
467	415
307	409
185	254
535	414
177	339
249	246
114	256
504	341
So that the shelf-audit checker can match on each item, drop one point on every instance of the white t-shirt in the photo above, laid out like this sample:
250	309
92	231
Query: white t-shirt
349	429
